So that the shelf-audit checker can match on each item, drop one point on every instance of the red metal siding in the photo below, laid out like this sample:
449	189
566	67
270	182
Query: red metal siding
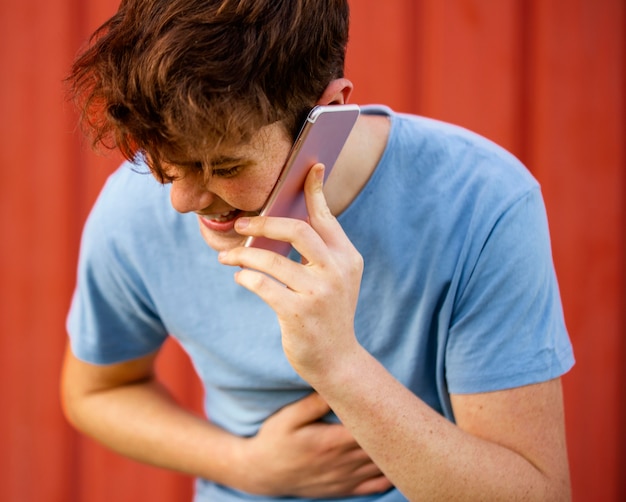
545	79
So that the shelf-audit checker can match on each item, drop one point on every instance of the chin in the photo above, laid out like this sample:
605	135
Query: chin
222	242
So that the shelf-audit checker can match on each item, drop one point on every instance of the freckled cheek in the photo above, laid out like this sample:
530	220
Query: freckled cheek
248	196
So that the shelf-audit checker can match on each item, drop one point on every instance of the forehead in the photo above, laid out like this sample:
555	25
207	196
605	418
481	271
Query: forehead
262	143
265	140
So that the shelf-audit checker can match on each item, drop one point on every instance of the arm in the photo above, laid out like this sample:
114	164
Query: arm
124	406
508	445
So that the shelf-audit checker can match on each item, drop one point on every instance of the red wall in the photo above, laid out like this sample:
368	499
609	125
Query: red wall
546	79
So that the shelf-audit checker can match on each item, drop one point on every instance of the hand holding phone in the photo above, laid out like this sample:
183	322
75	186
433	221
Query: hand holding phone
320	140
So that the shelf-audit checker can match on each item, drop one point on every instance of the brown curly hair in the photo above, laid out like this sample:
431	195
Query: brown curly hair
172	78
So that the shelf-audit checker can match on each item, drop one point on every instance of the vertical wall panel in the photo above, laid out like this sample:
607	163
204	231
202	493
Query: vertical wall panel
577	150
35	252
472	66
544	79
382	52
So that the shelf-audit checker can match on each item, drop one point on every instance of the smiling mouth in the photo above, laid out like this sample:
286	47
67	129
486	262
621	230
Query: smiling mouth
222	217
226	216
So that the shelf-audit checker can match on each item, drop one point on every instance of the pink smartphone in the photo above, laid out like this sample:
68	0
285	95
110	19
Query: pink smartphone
321	139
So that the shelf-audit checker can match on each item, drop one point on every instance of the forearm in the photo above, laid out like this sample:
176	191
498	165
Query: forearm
423	454
142	421
293	453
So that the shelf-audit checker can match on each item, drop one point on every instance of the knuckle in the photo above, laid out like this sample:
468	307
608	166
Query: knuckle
357	263
253	279
274	261
353	265
300	228
324	213
258	223
329	443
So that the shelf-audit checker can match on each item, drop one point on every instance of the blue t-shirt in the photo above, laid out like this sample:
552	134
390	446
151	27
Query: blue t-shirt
458	294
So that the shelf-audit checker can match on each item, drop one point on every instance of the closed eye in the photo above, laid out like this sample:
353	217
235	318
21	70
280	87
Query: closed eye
197	166
221	167
226	172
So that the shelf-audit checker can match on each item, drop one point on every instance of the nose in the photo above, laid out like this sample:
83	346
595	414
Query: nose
189	193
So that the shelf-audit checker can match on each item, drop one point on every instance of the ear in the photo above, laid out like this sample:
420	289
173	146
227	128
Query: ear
337	92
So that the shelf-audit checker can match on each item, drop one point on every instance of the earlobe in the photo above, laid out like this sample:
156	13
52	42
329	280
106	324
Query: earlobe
337	92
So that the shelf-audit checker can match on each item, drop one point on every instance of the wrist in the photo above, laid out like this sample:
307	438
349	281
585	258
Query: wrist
247	472
340	370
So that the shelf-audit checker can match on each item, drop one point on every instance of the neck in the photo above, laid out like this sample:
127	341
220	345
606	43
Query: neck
357	161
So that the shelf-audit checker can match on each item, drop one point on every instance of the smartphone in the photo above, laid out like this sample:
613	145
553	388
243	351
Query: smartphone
320	140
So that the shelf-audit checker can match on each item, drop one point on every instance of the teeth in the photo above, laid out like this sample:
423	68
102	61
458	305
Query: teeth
221	217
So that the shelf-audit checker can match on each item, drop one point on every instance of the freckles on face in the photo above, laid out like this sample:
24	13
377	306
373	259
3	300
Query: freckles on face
249	191
240	181
262	160
239	177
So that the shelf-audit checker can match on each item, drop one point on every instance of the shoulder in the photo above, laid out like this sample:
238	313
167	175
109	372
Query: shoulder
452	145
440	176
457	166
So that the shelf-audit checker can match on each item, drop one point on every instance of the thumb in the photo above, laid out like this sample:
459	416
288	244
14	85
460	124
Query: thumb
314	193
320	216
308	409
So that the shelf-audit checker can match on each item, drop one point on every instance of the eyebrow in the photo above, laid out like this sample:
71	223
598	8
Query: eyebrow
223	160
216	163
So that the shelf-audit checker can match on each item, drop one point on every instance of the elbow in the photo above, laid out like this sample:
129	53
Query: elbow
71	393
69	401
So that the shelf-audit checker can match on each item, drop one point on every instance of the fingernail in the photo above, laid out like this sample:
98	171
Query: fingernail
320	172
242	222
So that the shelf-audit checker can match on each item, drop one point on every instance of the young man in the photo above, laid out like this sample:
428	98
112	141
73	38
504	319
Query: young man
424	312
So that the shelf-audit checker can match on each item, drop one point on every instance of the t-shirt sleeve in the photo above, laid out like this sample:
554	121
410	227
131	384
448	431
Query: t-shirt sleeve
508	328
111	318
